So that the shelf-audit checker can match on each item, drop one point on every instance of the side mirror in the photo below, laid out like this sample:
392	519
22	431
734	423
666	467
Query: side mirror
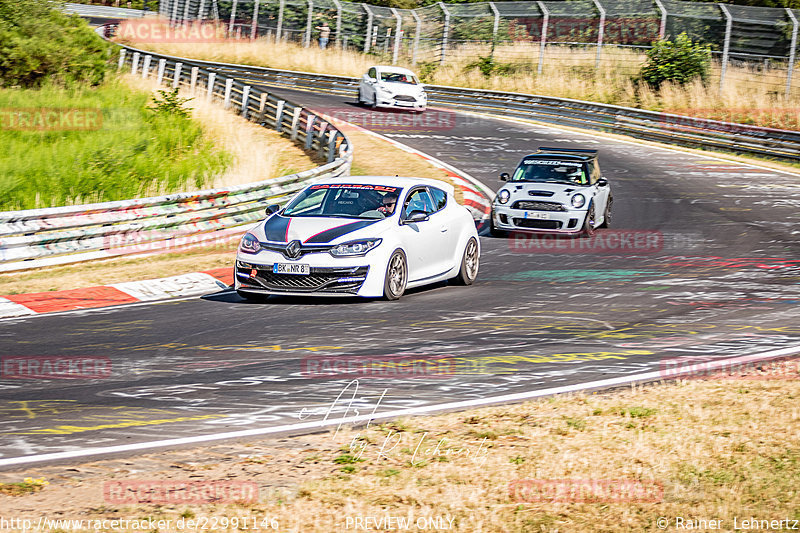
274	208
416	216
505	176
602	182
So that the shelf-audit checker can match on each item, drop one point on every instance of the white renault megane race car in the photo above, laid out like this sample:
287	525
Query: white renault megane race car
362	236
394	87
555	190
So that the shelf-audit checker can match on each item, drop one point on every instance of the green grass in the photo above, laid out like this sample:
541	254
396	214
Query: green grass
134	153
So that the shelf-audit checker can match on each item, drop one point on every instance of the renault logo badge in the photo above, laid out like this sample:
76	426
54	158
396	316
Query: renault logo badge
293	250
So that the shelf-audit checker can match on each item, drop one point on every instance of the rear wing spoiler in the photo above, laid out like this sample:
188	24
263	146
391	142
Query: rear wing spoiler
549	150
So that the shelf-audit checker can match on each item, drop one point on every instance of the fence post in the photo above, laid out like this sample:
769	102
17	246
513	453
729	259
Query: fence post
121	62
281	6
495	26
600	30
176	79
215	10
790	70
193	83
543	44
397	35
416	36
254	24
307	38
162	65
662	29
726	45
134	63
200	10
310	130
233	15
338	23
445	32
295	122
173	18
212	76
245	100
228	88
146	66
186	13
279	115
368	36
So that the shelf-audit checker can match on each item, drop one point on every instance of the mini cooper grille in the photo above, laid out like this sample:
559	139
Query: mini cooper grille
534	223
539	206
541	193
405	98
321	279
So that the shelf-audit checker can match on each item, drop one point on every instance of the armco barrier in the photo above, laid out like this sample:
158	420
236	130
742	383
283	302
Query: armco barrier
647	125
61	235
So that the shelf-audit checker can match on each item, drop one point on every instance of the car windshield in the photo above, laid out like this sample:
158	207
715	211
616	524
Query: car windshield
552	170
353	200
398	77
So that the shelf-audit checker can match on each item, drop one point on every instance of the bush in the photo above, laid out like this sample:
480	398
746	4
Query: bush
38	42
680	62
490	67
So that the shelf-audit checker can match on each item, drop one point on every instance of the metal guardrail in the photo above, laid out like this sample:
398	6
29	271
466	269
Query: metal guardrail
642	124
61	235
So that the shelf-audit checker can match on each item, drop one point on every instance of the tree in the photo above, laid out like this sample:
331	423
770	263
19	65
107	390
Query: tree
679	61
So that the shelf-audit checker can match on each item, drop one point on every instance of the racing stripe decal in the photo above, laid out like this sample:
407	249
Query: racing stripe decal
333	233
276	228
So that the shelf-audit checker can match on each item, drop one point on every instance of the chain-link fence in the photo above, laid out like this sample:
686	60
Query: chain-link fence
539	33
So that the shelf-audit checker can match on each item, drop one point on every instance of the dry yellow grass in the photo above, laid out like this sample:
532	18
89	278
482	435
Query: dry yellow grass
749	95
718	449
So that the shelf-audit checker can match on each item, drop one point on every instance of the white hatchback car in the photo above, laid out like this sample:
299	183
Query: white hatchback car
360	236
392	87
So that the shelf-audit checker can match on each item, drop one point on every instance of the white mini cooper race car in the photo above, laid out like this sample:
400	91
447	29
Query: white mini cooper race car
555	190
360	236
392	87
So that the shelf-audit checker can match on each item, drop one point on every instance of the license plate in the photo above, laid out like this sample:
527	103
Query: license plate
291	268
537	214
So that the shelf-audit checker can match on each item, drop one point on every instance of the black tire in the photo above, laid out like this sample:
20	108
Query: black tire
374	104
494	231
252	296
589	228
470	263
396	279
607	214
358	98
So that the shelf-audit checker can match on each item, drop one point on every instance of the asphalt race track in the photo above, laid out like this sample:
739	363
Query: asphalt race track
701	260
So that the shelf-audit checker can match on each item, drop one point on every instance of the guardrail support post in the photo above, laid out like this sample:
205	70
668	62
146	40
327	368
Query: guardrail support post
279	115
176	79
279	26
233	16
445	32
543	44
193	82
245	100
495	26
310	131
368	36
662	29
228	87
262	106
121	62
146	66
416	36
212	76
793	45
601	27
332	135
134	63
162	65
726	45
309	18
338	23
254	24
397	35
323	129
295	122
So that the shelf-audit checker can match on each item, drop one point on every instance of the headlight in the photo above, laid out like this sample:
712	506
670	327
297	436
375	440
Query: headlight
354	248
503	196
578	200
249	244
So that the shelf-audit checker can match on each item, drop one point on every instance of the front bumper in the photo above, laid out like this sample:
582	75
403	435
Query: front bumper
569	222
391	102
